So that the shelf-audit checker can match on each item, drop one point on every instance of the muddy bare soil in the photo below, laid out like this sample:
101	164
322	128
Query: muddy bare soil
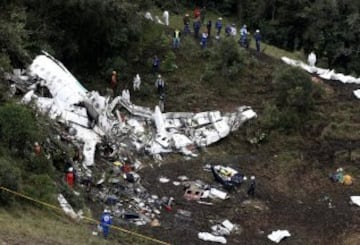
295	198
298	204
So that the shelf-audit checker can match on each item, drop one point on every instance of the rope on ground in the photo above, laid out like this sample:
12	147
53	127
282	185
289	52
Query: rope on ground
132	233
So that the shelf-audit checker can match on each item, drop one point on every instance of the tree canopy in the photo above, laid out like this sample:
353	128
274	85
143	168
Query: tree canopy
95	35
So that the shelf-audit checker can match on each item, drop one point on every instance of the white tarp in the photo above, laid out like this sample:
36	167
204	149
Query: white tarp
324	73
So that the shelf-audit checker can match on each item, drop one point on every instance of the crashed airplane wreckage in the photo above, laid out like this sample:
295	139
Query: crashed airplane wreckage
326	74
92	118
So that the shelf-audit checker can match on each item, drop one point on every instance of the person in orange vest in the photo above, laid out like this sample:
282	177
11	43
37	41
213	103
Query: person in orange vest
37	148
70	177
114	81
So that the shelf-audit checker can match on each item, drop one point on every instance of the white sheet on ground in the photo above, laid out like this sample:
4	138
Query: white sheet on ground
324	73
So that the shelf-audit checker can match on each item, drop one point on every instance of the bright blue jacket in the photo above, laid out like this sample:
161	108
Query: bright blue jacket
106	219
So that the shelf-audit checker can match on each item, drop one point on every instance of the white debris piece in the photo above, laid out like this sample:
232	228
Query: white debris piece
324	73
159	121
277	236
27	97
90	139
228	225
164	180
206	236
63	86
158	20
93	116
355	200
218	194
67	207
148	16
219	230
176	183
181	141
126	95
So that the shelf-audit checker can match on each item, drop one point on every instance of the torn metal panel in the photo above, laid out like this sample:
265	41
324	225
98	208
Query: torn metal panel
61	83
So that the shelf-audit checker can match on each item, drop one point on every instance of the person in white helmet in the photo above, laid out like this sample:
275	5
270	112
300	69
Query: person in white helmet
105	222
252	186
257	40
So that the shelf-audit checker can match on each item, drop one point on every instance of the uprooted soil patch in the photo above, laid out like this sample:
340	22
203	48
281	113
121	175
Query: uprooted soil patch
297	201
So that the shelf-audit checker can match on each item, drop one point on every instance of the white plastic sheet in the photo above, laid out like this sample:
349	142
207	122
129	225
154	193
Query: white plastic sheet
324	73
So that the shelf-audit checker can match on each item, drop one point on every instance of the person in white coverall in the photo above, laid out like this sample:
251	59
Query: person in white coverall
312	59
166	17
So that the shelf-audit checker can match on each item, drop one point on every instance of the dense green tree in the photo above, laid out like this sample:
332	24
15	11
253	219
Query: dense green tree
18	127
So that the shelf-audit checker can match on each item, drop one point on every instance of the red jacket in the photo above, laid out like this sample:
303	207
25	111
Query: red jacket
196	12
70	179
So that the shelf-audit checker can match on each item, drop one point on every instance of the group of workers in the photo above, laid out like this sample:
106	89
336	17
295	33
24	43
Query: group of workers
199	20
230	30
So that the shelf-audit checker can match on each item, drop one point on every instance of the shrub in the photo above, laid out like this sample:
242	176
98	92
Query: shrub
10	177
293	89
270	118
17	126
41	187
40	165
77	202
229	59
169	62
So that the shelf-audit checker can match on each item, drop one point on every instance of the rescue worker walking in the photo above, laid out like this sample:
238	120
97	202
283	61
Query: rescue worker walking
176	38
155	64
252	186
162	102
218	26
105	222
208	26
204	38
196	25
186	21
160	85
243	36
113	83
257	40
70	178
